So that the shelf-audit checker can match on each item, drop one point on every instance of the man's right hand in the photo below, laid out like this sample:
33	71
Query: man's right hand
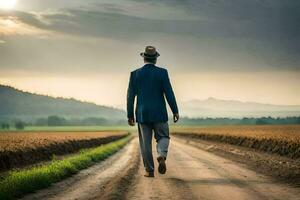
131	121
176	117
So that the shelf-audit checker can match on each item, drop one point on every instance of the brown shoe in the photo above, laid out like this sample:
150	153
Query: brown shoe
162	168
149	174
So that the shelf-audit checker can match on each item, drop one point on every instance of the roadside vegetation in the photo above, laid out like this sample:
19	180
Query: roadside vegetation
18	183
60	123
283	140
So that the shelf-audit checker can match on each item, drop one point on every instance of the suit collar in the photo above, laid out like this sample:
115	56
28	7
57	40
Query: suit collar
149	65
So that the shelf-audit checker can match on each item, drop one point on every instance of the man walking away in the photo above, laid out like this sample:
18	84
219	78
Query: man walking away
151	85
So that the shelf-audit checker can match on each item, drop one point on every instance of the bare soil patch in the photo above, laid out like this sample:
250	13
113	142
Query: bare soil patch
281	168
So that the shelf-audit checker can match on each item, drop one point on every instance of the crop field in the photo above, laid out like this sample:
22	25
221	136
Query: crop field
20	182
19	149
279	139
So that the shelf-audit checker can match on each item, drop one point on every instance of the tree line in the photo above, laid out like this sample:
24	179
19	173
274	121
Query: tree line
62	121
19	125
55	120
98	121
242	121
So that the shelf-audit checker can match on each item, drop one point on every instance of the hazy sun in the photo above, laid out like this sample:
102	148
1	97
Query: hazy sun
7	4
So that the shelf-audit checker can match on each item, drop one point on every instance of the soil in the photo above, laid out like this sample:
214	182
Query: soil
281	168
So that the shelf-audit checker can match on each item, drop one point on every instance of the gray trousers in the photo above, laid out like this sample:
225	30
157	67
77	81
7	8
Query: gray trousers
161	135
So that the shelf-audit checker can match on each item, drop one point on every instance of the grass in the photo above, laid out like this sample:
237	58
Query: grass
18	183
72	128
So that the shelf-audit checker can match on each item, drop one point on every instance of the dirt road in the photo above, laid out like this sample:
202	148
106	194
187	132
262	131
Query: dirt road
196	174
192	174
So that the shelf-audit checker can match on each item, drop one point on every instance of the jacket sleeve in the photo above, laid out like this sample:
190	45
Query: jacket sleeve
169	93
131	93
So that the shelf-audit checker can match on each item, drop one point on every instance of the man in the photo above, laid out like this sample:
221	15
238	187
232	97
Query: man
151	84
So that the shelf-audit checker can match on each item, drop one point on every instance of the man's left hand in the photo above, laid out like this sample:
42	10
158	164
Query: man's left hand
175	117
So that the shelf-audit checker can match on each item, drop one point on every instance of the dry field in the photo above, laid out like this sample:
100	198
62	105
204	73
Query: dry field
280	139
19	149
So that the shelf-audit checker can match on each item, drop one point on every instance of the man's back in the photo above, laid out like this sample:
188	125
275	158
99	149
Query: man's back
150	83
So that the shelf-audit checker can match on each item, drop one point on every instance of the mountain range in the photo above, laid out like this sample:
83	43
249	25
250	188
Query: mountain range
17	104
213	107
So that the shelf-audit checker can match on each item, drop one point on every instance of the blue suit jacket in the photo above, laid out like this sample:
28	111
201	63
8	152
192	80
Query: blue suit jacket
150	84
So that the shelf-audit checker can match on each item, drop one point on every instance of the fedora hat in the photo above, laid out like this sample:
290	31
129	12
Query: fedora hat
150	52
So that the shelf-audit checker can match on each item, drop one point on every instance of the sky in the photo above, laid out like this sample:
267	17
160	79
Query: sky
234	49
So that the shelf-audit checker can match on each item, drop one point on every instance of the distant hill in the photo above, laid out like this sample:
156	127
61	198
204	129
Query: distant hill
18	104
212	107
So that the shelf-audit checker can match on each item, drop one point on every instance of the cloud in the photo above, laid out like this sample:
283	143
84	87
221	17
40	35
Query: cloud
274	22
22	23
242	34
261	20
13	26
258	35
